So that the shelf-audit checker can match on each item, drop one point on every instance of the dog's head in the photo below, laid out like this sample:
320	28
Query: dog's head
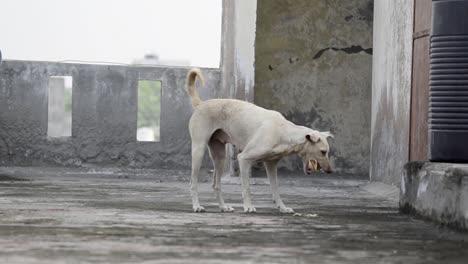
314	152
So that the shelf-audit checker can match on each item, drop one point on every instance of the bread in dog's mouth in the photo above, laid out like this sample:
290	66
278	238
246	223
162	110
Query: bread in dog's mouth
311	166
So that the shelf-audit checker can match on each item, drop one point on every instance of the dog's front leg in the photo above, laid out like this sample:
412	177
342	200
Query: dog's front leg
245	164
270	167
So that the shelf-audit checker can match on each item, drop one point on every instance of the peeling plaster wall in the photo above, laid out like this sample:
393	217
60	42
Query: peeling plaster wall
313	63
391	89
104	115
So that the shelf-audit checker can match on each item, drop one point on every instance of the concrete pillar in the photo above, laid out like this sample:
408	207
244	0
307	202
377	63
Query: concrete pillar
238	48
237	57
391	89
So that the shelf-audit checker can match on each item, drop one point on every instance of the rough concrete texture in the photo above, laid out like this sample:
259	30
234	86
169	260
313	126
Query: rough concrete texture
104	115
228	50
238	48
391	89
437	191
313	64
130	217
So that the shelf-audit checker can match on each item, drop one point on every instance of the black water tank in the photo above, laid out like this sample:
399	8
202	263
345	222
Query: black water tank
448	97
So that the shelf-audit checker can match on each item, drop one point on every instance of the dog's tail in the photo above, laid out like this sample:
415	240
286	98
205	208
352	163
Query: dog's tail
191	85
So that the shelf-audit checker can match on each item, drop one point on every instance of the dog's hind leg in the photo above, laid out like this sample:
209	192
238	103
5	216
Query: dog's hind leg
198	150
218	156
271	170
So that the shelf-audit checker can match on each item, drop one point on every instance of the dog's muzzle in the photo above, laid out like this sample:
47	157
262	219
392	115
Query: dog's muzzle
311	166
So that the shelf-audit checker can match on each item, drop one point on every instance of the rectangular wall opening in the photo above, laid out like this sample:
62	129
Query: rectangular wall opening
59	106
149	110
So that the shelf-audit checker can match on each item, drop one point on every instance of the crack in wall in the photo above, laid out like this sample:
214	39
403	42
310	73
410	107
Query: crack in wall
348	50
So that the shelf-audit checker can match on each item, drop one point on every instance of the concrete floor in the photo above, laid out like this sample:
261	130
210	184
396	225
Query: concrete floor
129	217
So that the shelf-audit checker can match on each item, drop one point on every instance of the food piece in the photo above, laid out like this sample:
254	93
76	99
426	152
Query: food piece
311	215
313	164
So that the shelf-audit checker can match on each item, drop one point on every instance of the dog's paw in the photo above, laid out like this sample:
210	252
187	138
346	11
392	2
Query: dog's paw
249	209
286	210
226	208
199	209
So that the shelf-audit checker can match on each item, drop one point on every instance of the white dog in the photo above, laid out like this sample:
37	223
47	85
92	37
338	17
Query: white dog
260	134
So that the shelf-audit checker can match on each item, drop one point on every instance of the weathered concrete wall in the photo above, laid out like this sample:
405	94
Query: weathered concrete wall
104	115
313	64
237	57
437	191
238	48
227	59
391	89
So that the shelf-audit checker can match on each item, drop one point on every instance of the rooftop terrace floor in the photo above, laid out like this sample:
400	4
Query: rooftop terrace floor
57	216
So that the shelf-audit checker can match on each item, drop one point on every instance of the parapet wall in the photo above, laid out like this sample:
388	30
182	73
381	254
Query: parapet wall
104	115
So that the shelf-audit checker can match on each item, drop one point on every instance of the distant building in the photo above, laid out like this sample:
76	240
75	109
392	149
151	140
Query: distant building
153	59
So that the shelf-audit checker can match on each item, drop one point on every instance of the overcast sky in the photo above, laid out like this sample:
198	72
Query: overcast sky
111	30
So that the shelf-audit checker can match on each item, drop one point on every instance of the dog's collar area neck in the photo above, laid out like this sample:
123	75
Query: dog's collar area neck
297	149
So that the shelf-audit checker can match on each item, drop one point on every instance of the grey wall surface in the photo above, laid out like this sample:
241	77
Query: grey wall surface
104	115
436	191
391	89
313	63
238	48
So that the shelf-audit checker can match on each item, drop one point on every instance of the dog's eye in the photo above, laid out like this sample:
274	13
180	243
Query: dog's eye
324	152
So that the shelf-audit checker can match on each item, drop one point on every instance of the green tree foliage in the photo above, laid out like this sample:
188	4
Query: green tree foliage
68	100
149	103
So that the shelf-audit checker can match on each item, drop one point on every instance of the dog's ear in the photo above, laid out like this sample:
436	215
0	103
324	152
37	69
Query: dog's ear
327	134
314	138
